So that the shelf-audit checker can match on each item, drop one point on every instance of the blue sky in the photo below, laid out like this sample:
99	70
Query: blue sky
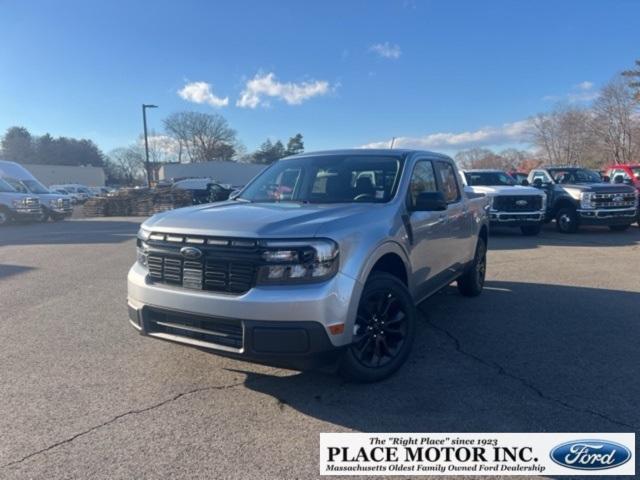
440	74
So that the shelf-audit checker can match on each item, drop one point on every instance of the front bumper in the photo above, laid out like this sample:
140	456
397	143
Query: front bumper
60	210
26	214
291	344
515	219
618	216
279	325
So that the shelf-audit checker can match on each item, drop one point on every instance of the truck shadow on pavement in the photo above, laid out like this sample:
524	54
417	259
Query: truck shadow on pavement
512	239
10	270
72	232
521	357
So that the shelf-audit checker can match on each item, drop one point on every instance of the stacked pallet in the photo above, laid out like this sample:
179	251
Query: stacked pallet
137	202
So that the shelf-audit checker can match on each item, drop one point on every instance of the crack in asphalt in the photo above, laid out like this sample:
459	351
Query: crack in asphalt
118	417
502	371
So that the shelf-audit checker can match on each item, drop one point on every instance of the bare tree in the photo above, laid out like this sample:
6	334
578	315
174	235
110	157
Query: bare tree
128	163
162	148
564	136
203	137
615	121
634	79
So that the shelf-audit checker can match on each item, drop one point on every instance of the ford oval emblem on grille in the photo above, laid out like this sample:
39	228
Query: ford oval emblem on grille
618	198
191	253
521	203
590	454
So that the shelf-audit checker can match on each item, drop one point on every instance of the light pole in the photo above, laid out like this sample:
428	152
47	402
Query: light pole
146	141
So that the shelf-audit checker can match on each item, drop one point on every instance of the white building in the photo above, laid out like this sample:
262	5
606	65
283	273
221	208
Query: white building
61	174
232	173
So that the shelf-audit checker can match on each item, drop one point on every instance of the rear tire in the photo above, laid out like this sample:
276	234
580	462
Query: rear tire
531	230
470	284
567	220
383	333
619	228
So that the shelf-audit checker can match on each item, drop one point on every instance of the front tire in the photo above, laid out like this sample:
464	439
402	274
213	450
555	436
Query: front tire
567	220
530	230
383	333
471	283
5	217
619	228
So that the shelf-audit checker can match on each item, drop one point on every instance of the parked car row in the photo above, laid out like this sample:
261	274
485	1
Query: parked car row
24	198
570	196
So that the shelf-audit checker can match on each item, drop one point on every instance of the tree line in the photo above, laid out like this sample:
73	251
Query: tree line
607	131
188	137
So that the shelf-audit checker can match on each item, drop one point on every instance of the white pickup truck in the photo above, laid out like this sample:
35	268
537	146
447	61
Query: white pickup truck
512	205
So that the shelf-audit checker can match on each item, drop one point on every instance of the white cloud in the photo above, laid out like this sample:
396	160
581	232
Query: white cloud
508	133
386	50
201	92
579	93
266	85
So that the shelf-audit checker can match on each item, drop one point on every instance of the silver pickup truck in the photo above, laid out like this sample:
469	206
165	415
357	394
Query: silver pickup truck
17	206
321	257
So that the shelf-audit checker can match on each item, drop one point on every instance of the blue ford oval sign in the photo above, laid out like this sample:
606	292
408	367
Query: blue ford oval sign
191	253
590	454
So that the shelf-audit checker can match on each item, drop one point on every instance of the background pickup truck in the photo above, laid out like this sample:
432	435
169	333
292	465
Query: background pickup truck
321	257
627	174
17	206
578	196
53	205
512	205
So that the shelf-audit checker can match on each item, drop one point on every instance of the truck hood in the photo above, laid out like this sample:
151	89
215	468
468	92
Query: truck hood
599	187
47	197
253	220
505	190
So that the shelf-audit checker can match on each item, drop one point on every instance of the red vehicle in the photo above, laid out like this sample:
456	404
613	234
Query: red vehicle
625	173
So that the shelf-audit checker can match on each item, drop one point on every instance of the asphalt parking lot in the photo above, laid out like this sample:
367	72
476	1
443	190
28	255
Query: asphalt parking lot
551	345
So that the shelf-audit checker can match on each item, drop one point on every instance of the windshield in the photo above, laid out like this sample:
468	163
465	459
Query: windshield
5	187
17	185
489	178
35	186
327	179
574	175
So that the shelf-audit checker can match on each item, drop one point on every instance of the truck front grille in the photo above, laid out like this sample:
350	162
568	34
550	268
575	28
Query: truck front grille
517	203
613	200
225	332
227	268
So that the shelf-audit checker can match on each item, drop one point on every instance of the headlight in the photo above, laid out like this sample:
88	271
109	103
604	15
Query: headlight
143	234
585	200
544	202
141	253
17	203
298	261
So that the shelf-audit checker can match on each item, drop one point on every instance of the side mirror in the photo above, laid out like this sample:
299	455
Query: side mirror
606	178
430	202
233	195
537	183
618	179
525	182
